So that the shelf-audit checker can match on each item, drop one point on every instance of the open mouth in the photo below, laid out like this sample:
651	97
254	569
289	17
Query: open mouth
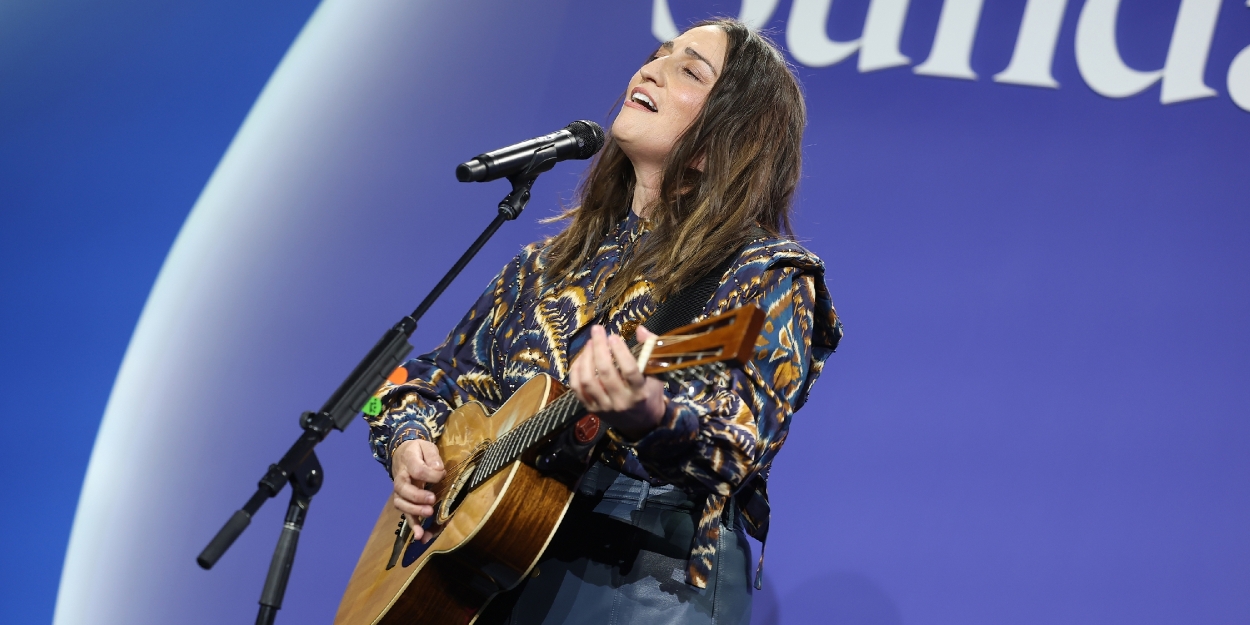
642	98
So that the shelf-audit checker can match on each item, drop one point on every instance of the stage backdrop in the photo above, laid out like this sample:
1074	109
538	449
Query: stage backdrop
1034	217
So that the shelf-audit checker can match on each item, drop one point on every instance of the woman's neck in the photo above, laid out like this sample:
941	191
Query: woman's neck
646	188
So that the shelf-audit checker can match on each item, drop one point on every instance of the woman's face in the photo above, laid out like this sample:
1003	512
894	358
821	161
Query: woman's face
667	94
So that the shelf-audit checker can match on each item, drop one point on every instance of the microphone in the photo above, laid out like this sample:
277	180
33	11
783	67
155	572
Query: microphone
580	140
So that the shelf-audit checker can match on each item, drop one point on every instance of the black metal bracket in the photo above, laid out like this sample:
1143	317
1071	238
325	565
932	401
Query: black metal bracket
305	482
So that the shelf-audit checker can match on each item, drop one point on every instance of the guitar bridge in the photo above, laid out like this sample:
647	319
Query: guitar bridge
402	535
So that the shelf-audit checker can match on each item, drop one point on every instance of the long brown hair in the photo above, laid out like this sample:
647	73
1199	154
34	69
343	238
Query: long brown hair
749	136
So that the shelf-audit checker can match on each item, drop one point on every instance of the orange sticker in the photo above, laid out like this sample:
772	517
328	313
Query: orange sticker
398	376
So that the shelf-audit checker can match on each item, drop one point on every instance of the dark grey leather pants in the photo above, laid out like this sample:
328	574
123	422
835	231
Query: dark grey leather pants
615	561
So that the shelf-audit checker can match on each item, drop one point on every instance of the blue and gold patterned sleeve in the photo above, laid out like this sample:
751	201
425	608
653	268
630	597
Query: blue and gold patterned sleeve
713	437
456	372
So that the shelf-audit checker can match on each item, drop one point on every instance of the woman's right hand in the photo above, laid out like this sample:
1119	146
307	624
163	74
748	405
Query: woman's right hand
415	464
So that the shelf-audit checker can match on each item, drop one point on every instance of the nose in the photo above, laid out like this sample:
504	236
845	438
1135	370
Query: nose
653	72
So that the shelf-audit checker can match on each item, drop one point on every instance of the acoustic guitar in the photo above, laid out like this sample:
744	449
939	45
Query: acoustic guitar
510	477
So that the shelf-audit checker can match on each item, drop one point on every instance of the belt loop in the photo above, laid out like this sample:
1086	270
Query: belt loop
643	493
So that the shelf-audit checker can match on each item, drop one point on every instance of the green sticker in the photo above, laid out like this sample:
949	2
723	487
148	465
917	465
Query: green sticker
373	407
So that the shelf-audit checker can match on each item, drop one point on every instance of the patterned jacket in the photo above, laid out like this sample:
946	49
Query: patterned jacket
711	439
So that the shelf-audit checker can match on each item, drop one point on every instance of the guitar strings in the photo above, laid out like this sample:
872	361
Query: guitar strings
509	447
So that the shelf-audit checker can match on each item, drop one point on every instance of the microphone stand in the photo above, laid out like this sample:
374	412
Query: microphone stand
299	465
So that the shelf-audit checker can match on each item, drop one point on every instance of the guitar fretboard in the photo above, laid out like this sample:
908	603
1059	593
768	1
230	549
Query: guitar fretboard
557	415
511	446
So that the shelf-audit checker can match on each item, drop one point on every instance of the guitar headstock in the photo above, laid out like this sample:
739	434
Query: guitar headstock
721	340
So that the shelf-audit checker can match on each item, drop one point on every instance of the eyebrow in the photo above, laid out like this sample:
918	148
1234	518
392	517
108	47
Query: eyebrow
668	46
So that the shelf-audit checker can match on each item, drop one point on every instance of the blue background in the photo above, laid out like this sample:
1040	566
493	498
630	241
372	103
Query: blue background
114	115
1038	414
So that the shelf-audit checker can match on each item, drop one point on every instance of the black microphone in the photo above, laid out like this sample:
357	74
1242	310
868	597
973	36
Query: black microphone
580	139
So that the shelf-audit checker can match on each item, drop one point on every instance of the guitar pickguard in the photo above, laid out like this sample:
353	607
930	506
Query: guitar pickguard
416	547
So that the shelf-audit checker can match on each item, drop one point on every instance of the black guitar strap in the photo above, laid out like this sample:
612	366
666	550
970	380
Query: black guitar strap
683	306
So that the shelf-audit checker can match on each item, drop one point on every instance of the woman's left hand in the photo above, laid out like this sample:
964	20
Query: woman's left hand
607	380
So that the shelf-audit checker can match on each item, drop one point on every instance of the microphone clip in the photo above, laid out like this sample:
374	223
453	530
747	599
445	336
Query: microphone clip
513	203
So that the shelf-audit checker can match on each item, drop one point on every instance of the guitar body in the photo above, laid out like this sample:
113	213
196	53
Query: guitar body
488	545
496	513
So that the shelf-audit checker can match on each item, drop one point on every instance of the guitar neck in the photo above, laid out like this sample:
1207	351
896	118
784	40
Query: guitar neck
511	446
702	348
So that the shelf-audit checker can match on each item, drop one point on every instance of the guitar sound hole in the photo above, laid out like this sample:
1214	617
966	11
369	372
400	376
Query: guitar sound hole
454	495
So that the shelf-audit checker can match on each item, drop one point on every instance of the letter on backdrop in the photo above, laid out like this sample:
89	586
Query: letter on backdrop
1035	46
878	46
1098	56
1097	52
662	26
1239	79
755	14
952	46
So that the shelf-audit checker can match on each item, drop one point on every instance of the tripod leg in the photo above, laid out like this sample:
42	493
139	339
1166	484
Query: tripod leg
283	557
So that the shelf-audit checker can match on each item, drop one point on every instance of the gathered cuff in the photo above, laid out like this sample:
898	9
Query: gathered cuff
673	436
408	431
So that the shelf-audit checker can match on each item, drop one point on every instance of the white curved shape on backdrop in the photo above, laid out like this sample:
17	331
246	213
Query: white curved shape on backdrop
257	311
276	130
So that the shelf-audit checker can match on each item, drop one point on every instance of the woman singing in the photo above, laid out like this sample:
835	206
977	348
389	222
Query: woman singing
701	163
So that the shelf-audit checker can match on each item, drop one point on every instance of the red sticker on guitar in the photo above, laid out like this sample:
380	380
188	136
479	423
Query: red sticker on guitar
587	429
